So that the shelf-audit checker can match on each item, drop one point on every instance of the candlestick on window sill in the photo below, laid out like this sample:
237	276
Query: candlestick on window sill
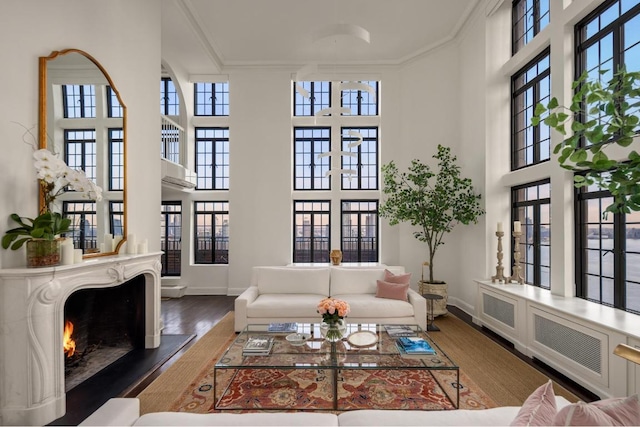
516	273
499	268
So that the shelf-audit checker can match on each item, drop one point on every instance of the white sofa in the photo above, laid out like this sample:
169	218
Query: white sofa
126	412
291	294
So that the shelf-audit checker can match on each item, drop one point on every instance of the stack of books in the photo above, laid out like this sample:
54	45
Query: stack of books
414	345
400	331
283	327
258	346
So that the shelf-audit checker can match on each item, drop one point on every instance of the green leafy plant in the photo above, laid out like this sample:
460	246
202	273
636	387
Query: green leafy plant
601	115
45	226
433	200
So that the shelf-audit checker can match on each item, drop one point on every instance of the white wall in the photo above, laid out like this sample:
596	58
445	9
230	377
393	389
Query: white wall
124	36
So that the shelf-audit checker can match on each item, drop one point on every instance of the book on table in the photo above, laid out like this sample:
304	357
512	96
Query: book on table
258	346
400	331
414	345
283	327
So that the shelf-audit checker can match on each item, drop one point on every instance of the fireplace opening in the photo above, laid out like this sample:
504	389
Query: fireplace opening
101	325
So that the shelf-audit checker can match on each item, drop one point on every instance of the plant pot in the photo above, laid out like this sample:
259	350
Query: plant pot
441	288
43	253
333	331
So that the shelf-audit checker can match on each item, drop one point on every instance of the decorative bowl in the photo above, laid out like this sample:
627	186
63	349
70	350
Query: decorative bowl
297	338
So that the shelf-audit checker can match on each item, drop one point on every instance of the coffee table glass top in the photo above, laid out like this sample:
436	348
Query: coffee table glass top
345	354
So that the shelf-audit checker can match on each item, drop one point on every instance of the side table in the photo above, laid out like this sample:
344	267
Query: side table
431	298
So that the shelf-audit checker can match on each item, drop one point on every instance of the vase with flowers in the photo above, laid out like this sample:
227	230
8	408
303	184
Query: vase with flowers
333	311
41	234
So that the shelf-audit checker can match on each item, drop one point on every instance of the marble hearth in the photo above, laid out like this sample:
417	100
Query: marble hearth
32	301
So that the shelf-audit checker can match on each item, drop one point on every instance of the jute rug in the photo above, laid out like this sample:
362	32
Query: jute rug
188	385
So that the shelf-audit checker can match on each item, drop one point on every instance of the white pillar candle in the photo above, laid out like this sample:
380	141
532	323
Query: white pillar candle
516	226
77	256
143	247
131	244
66	252
500	226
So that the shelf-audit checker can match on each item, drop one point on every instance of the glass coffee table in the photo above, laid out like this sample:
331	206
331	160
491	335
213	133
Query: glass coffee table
365	347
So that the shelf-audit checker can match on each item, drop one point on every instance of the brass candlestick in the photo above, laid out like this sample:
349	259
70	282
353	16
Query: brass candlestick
516	275
499	268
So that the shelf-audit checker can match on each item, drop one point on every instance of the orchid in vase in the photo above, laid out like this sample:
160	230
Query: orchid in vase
54	177
333	312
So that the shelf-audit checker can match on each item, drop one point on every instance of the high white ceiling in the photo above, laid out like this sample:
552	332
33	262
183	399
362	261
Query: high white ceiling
205	36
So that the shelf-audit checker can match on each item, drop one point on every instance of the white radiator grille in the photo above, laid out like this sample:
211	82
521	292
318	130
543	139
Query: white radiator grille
498	309
576	345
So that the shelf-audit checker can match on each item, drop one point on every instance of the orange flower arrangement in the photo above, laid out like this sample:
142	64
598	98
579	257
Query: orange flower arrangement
333	309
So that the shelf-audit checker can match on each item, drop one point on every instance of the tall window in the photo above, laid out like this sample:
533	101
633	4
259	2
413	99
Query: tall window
359	230
361	98
212	158
211	232
79	101
529	17
80	151
362	163
312	159
211	99
530	86
171	237
608	258
311	231
608	253
116	158
310	97
116	218
169	101
531	205
83	223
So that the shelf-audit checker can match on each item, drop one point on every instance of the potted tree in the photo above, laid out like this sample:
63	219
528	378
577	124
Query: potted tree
434	201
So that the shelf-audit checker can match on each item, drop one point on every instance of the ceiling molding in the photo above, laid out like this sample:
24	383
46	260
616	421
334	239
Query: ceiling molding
209	46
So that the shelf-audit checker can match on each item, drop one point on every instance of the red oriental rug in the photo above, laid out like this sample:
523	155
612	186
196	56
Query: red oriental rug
312	389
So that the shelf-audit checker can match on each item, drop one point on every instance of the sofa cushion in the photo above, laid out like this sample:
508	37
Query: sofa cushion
392	290
402	279
367	306
539	408
357	280
286	280
287	306
623	411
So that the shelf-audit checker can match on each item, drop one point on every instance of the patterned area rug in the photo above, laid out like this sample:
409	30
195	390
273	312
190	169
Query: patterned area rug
312	389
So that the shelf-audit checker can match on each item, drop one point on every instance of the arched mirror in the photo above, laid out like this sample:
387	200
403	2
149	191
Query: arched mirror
83	121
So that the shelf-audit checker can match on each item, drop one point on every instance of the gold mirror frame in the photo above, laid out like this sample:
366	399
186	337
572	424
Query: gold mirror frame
42	131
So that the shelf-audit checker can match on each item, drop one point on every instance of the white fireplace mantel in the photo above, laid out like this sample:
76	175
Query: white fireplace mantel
32	384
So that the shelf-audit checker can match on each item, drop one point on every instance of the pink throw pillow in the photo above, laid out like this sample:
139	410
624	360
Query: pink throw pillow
539	408
620	411
392	290
402	279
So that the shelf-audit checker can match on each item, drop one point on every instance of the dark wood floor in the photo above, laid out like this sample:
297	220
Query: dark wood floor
196	315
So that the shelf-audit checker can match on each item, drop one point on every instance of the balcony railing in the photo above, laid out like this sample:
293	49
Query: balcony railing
172	135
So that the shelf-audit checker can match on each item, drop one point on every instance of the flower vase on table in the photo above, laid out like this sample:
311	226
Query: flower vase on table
333	311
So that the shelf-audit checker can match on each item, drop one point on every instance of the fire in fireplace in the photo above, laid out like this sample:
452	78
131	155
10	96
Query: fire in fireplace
101	325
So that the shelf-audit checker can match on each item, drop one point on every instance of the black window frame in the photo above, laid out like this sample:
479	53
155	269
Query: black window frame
519	14
88	157
86	101
219	99
218	180
347	252
359	97
535	232
217	255
345	140
313	104
527	111
318	246
172	253
166	91
87	215
116	213
317	163
116	159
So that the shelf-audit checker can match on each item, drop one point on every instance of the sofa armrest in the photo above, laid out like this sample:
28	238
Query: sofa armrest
419	304
240	307
115	412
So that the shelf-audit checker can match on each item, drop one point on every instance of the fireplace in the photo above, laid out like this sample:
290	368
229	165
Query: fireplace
100	326
33	305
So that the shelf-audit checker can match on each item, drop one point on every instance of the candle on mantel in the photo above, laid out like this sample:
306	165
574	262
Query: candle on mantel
516	226
500	226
